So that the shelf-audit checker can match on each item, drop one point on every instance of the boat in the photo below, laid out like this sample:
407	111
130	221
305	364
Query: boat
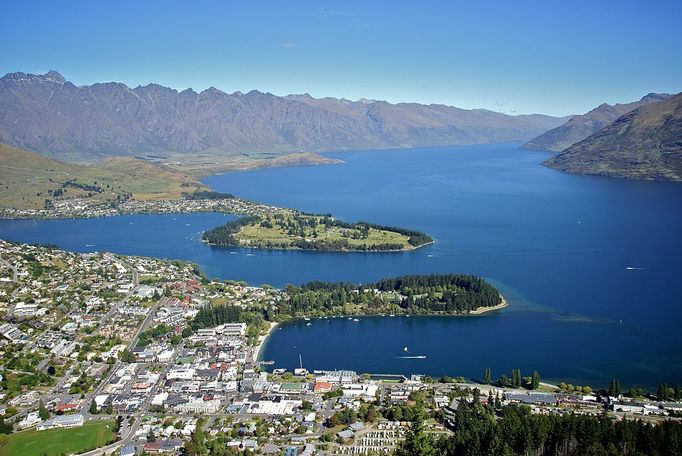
413	357
355	319
306	318
308	324
405	349
279	371
267	363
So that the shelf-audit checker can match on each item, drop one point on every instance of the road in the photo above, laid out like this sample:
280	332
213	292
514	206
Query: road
15	276
85	405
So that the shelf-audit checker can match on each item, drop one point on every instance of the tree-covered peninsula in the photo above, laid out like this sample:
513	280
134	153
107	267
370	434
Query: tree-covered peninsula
294	230
436	294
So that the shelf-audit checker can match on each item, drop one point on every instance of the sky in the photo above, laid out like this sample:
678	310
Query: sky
517	57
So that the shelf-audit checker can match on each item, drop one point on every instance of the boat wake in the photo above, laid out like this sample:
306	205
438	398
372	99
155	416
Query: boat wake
630	268
413	357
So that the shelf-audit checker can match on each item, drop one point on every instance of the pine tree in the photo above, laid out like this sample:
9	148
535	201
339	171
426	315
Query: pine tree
486	376
93	408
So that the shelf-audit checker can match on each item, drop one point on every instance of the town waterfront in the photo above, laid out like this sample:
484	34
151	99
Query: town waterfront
590	266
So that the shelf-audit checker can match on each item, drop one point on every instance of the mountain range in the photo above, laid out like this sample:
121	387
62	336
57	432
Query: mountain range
52	116
581	126
643	144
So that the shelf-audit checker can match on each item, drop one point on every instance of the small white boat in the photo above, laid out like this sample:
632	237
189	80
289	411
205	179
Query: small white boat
308	324
355	319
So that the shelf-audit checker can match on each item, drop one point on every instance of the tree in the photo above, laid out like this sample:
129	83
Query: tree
516	378
42	411
306	406
5	428
486	376
535	382
127	356
614	388
417	442
93	408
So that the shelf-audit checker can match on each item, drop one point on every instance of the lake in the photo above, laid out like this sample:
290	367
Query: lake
591	266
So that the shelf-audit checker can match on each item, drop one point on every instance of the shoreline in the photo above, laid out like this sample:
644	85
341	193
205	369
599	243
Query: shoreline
484	310
262	339
298	249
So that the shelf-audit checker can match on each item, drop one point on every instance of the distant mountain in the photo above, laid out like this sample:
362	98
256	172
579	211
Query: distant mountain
49	115
643	144
580	127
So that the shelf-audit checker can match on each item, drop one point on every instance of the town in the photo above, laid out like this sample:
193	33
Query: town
115	345
87	208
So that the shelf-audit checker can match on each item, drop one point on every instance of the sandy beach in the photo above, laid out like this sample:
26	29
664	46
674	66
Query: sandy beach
261	341
482	310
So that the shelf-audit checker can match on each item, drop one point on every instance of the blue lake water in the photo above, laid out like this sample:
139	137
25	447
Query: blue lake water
559	246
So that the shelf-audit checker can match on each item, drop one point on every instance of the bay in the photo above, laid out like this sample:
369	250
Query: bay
591	266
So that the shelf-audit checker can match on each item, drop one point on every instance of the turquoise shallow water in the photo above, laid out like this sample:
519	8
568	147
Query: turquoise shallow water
591	266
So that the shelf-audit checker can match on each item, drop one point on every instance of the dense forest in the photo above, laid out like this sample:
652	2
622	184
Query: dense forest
224	234
416	294
513	430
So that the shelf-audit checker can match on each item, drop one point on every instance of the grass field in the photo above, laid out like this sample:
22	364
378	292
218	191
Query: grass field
27	179
59	441
256	233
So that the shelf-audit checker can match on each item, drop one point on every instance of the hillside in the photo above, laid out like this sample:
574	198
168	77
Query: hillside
643	144
49	115
580	127
27	180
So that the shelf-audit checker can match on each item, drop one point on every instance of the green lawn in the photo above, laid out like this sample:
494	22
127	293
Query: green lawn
255	233
57	441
